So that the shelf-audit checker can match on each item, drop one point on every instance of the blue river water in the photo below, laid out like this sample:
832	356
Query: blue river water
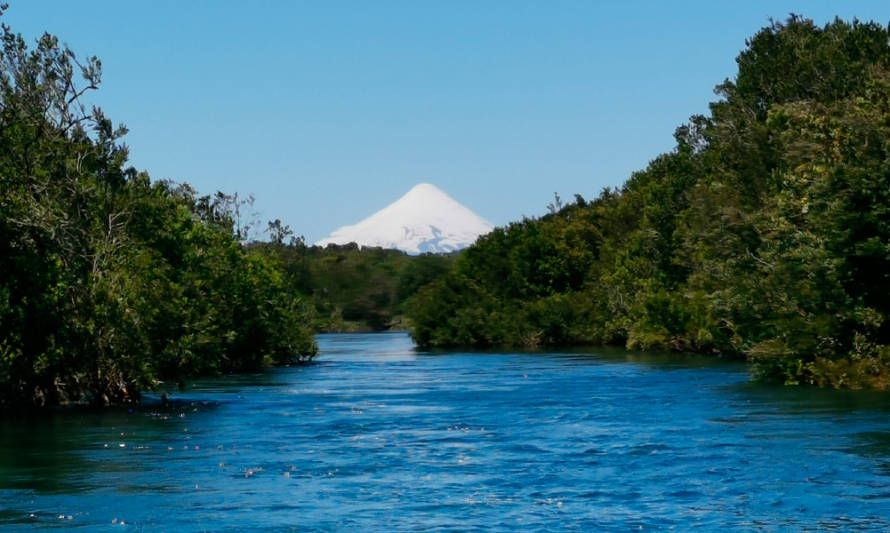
376	436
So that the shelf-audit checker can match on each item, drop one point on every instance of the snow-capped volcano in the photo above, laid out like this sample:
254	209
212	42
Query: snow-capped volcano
424	220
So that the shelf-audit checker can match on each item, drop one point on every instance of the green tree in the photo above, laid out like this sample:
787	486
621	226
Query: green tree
112	283
765	233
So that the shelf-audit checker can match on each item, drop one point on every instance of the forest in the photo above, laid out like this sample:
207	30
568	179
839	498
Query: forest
355	289
764	234
113	284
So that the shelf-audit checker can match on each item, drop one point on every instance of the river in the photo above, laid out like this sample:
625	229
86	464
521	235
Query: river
376	436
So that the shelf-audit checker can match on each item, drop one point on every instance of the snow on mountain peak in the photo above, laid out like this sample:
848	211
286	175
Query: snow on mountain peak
424	220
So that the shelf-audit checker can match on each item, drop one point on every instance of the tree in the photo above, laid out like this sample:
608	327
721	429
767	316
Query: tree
764	234
110	282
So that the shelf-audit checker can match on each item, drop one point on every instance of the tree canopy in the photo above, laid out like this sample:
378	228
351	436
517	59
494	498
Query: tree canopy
352	288
110	282
765	233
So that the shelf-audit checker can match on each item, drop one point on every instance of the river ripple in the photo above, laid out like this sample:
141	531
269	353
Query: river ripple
377	436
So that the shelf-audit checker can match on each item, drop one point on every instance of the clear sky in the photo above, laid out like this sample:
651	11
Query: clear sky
328	110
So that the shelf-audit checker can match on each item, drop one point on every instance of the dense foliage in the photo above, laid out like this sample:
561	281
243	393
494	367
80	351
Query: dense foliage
110	283
765	233
352	288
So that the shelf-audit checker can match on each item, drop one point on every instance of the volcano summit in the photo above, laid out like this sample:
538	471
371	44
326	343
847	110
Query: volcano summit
424	220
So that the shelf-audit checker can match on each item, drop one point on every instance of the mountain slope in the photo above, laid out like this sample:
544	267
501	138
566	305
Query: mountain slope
423	220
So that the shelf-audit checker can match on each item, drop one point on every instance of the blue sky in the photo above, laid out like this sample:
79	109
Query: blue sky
327	111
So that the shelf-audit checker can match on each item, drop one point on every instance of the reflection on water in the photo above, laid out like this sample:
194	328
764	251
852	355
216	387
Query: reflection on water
377	436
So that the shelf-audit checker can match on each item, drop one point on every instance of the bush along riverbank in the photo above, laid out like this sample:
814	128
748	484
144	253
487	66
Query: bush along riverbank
764	234
111	282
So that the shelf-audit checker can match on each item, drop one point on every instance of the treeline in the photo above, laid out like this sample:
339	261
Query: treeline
110	283
353	289
765	233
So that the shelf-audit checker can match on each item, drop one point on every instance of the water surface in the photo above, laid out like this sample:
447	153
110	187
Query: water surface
377	436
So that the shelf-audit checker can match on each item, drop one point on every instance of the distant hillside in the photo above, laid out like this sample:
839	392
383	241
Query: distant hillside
354	289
